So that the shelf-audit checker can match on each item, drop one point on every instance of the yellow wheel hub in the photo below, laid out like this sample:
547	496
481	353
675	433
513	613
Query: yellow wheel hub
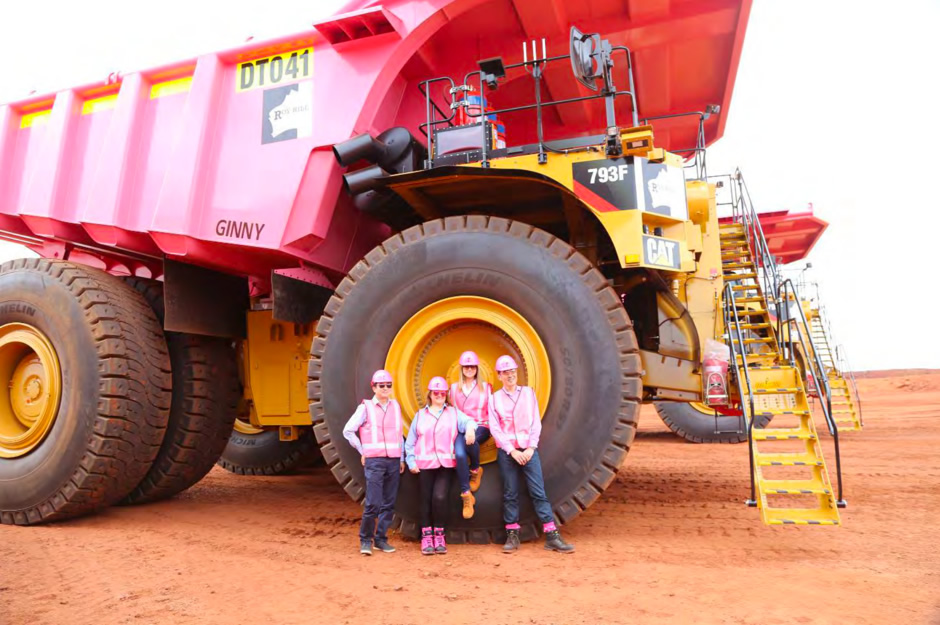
30	388
431	342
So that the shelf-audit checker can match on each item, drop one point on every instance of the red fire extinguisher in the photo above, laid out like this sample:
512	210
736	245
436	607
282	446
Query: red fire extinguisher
715	378
811	389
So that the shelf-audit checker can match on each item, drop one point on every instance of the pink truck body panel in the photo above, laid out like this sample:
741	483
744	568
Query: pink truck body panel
186	161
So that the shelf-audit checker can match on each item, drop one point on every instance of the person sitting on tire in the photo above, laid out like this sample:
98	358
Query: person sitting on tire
516	424
471	397
429	452
378	423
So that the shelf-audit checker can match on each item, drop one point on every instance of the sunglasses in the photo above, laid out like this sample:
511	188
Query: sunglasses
438	393
384	385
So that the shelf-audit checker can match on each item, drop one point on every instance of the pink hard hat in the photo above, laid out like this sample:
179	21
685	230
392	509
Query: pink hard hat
505	363
437	383
469	359
381	376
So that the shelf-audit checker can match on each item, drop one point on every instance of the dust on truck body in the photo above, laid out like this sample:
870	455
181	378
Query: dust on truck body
238	240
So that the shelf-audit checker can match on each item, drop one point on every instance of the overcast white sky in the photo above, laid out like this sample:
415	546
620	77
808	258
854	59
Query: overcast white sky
834	104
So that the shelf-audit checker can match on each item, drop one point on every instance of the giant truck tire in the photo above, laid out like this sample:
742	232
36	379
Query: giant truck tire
85	397
256	451
697	423
492	285
205	399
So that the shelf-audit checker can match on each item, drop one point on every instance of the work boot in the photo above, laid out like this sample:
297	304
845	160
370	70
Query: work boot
512	541
475	478
383	546
427	542
468	501
440	546
365	547
554	542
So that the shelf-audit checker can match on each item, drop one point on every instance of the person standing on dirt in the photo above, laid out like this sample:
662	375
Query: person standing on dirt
375	431
429	452
472	397
516	425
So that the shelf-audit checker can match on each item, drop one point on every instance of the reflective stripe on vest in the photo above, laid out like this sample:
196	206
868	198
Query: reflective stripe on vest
434	447
381	433
515	417
476	404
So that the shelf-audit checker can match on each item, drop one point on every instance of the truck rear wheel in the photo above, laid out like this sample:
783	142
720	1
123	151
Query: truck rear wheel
494	286
256	451
205	397
697	423
85	394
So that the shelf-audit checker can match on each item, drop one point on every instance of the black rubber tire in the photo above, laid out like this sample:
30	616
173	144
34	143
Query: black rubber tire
205	400
266	454
696	427
116	391
591	347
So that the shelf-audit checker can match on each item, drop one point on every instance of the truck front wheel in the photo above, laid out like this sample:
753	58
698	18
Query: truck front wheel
495	286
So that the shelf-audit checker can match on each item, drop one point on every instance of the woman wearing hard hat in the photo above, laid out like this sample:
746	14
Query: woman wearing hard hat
516	425
375	431
471	397
429	452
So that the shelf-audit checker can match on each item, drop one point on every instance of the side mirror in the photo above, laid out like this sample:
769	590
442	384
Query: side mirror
583	49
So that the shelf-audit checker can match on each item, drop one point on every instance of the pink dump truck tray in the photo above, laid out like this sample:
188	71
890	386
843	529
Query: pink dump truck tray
225	160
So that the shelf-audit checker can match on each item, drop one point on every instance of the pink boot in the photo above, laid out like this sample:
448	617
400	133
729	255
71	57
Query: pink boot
439	545
427	542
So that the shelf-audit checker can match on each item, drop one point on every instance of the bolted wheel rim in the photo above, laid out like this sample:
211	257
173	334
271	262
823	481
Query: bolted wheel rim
431	341
30	388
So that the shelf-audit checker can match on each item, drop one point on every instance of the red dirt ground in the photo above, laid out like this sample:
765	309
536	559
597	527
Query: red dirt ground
670	542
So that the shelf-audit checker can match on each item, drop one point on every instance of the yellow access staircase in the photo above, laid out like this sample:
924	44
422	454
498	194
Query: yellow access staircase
846	404
790	482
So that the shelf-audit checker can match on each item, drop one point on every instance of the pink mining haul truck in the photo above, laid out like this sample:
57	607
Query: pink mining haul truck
230	245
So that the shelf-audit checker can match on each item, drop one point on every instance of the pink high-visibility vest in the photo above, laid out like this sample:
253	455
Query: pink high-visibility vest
516	418
434	446
382	431
476	404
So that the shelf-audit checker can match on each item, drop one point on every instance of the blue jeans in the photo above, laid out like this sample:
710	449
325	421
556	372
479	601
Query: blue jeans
381	490
510	470
463	452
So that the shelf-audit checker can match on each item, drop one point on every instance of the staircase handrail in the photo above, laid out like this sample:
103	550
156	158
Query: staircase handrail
731	313
846	368
767	263
818	370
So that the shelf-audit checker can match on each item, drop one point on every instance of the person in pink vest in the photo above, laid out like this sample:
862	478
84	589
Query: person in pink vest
516	425
471	397
429	452
375	431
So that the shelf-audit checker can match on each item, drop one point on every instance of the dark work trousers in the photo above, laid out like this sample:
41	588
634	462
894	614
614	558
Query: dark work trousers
510	470
435	483
381	489
464	452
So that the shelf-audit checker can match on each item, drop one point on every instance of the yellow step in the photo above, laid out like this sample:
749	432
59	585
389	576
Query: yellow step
761	339
774	413
800	516
793	487
737	265
739	276
754	326
745	287
776	391
748	300
783	434
750	311
787	460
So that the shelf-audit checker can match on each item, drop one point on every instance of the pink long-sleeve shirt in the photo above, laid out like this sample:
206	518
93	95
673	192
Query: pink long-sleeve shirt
515	421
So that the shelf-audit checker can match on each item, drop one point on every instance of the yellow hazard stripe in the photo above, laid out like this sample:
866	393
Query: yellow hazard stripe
35	119
170	87
104	103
